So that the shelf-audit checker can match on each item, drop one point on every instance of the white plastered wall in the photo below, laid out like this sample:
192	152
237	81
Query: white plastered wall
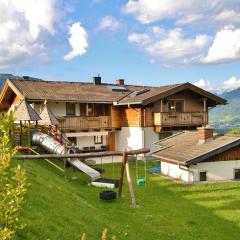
129	138
86	139
150	136
216	171
58	109
176	171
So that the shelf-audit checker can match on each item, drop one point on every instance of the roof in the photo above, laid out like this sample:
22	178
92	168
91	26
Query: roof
183	148
25	112
47	117
40	90
158	93
69	91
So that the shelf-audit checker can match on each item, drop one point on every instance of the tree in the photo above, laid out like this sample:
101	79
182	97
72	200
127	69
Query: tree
12	182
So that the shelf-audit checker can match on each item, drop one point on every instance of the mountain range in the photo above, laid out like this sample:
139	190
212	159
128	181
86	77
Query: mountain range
221	116
227	115
3	78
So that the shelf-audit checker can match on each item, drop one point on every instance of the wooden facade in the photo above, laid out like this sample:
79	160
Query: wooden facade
78	123
229	155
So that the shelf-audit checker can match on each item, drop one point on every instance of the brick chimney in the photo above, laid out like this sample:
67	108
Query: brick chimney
120	82
205	134
97	80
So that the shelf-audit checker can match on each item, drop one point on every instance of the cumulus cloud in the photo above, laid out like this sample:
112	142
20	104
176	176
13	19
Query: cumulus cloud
226	86
78	41
21	24
183	11
225	47
110	23
170	45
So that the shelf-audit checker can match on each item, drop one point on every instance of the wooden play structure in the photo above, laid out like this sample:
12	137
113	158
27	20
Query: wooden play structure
47	136
82	156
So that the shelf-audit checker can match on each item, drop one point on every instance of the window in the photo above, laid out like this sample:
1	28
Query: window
203	176
98	139
70	109
237	174
73	140
83	109
176	105
90	109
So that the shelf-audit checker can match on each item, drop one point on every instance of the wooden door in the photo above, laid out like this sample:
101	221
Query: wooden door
111	141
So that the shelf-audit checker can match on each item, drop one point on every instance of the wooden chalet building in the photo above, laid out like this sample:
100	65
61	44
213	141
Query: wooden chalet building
113	116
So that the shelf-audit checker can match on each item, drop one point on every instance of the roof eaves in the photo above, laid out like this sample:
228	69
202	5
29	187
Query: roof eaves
214	152
164	159
128	103
162	94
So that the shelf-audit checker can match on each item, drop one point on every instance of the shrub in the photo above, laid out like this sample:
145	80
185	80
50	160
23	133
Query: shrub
12	182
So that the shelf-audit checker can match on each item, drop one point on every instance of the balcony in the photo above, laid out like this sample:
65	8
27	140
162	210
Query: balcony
170	119
84	123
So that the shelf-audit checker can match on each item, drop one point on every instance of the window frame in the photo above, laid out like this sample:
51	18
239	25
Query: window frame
203	171
234	174
67	109
175	101
96	138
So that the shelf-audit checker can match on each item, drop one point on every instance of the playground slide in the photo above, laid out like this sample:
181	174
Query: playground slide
52	146
85	168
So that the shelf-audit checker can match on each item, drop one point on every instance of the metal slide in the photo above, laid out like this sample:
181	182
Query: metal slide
49	144
85	168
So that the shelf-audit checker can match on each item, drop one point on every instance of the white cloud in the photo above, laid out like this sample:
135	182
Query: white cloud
21	23
170	46
206	85
231	83
184	11
189	19
78	40
110	23
147	11
226	86
225	47
228	16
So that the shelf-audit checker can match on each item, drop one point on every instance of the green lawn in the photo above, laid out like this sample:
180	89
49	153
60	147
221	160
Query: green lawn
59	209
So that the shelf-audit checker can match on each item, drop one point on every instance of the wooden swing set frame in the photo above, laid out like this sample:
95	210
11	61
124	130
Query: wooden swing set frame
124	166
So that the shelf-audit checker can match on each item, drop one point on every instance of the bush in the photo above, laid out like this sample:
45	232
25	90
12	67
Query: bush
12	182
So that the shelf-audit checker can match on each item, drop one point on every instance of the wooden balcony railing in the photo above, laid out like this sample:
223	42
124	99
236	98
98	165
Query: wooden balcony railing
84	123
168	119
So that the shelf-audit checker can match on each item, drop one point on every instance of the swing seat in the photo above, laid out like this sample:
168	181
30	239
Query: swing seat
141	181
105	182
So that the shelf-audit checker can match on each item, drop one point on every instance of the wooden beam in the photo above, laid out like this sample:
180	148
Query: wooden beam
124	161
81	155
130	185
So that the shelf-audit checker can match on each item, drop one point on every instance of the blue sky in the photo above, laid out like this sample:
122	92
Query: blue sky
148	42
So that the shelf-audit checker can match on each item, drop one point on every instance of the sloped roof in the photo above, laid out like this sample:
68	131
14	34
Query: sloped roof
183	148
155	94
88	92
25	112
47	117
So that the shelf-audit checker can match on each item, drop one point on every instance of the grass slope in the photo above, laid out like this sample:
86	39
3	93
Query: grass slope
59	209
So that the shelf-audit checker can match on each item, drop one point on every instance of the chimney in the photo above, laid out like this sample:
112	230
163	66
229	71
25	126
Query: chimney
97	80
204	134
120	82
